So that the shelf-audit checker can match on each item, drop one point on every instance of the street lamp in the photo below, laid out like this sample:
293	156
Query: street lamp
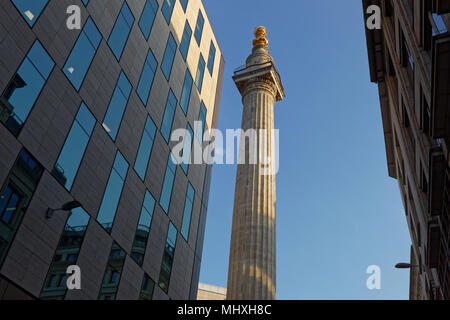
405	265
68	206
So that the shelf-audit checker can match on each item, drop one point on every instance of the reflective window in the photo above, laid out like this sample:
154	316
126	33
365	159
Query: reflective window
186	40
111	198
24	88
112	274
148	17
199	27
15	196
169	56
76	143
167	187
145	148
169	113
169	253
143	229
211	58
201	122
189	203
186	93
200	73
148	74
66	254
187	149
147	288
77	65
167	9
85	2
121	31
30	9
117	106
184	4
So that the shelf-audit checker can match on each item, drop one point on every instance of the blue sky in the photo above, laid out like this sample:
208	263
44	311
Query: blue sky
337	210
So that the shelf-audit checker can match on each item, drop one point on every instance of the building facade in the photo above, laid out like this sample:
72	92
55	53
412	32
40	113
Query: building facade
409	60
86	117
210	292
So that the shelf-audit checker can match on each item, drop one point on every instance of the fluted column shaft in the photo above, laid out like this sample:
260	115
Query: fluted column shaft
252	268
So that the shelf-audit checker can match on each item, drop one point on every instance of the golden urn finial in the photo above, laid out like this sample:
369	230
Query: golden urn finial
260	37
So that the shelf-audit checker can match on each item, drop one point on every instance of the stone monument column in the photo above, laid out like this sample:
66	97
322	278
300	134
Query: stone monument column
252	266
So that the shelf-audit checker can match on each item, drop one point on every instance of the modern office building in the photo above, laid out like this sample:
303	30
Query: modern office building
86	117
409	59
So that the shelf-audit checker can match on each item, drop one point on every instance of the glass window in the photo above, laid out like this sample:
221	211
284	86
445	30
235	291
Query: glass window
200	73
85	2
167	187
148	17
70	245
211	58
184	4
15	196
201	122
30	9
186	40
112	274
147	288
76	143
189	203
187	149
111	198
186	93
117	106
169	253
199	27
24	88
169	56
143	229
167	9
145	148
148	74
121	31
169	113
77	65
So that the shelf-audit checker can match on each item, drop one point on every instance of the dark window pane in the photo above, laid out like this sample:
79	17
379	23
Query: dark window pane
169	56
169	252
117	106
186	92
201	122
186	40
24	88
166	126
82	54
143	229
200	73
15	196
184	4
146	81
187	212
211	58
145	149
121	31
199	28
30	9
113	191
169	178
70	245
72	153
187	149
167	9
148	17
148	285
112	274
